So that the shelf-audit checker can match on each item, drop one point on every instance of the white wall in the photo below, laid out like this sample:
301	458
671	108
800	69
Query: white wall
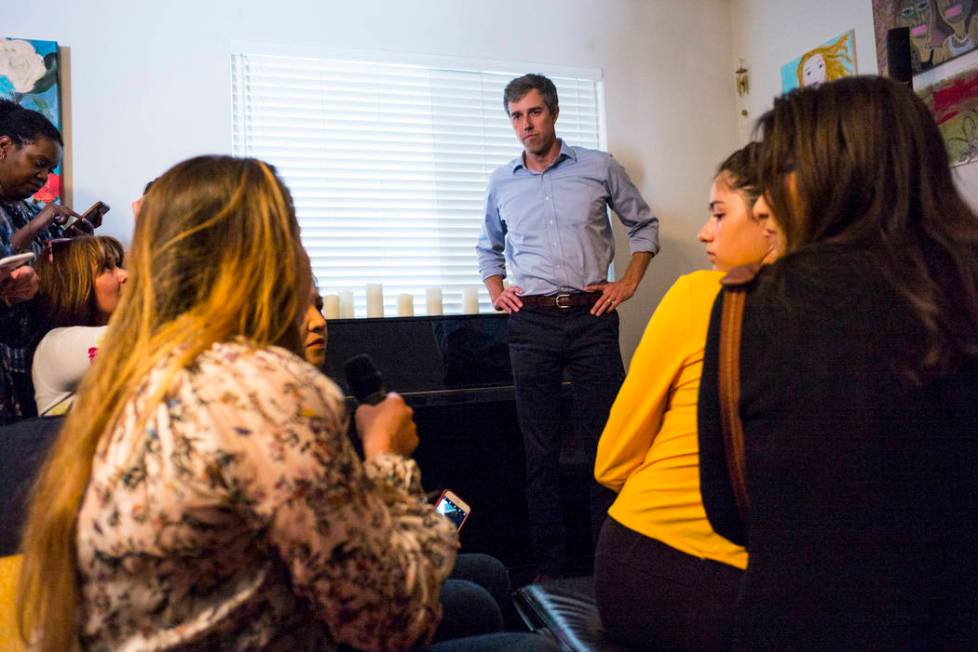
768	33
147	84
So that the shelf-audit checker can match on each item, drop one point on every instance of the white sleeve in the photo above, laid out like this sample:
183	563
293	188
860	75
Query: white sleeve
61	360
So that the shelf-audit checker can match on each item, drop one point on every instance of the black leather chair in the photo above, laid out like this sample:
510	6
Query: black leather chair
565	608
23	446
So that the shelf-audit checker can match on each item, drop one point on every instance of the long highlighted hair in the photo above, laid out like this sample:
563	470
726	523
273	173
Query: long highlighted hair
216	256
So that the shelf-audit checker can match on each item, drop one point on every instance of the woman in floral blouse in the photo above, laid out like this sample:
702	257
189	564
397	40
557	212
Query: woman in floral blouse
203	494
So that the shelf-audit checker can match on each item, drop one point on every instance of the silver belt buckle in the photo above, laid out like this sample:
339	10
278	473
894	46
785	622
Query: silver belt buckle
560	305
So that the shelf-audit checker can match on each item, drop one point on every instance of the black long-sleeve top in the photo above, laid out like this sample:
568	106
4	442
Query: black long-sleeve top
863	524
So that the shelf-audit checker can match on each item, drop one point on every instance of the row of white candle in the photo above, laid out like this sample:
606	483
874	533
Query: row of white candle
340	306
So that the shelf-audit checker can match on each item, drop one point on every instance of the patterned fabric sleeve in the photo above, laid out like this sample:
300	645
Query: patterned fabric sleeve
18	214
358	539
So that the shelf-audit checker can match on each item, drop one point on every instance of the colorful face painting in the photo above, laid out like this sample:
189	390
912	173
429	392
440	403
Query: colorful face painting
940	30
954	103
29	76
833	59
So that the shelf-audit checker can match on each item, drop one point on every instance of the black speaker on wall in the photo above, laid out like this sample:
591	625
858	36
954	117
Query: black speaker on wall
899	55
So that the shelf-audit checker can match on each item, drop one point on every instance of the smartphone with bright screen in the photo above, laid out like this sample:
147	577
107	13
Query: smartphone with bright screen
453	508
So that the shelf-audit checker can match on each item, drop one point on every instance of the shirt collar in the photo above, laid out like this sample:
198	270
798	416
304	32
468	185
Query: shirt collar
566	151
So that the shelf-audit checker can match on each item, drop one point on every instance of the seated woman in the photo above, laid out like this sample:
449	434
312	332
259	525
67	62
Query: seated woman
663	578
81	283
314	331
203	492
858	386
477	596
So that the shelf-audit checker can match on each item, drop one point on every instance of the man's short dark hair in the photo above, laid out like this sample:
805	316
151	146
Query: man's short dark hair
520	86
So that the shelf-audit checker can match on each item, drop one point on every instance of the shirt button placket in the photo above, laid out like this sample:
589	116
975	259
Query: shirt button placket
551	209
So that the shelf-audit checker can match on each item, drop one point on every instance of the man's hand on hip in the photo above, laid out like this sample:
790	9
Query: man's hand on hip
613	294
508	300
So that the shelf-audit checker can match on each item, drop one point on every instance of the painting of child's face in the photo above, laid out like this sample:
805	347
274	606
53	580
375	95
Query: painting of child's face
814	72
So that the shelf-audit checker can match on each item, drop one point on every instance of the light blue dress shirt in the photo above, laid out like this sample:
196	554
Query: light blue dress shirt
552	228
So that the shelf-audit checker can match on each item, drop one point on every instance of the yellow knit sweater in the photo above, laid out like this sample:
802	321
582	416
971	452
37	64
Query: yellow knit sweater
649	452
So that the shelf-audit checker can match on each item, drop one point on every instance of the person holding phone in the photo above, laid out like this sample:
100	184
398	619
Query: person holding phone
30	149
203	492
477	596
18	281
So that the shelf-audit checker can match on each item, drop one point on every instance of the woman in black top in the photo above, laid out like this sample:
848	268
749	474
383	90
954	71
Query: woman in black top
859	385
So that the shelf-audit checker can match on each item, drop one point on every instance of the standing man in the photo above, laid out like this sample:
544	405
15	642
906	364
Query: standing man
546	217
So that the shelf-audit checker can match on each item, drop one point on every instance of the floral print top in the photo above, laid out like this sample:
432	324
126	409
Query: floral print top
238	517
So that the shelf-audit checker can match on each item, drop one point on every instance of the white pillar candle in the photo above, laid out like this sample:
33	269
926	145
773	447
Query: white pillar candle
346	304
470	301
331	306
375	300
433	301
405	305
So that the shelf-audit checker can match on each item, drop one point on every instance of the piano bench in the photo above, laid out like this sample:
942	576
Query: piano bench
566	608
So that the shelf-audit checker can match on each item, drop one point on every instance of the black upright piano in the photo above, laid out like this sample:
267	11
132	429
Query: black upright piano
454	371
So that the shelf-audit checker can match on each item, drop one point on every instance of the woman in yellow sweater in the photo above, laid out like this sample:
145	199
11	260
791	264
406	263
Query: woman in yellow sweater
663	578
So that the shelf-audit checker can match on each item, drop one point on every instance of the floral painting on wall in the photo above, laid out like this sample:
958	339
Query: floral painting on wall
29	76
954	103
940	30
833	59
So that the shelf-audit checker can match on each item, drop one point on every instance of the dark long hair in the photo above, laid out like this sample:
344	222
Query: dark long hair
740	172
860	161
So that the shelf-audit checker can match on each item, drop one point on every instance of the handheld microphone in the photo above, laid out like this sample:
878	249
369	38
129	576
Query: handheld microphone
366	383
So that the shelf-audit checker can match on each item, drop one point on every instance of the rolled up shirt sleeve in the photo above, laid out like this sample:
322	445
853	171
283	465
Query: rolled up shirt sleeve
492	241
632	210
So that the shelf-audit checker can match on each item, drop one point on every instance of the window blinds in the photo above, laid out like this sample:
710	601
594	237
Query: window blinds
388	163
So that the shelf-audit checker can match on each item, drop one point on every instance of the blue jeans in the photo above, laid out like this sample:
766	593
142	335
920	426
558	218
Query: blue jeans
474	598
543	343
501	642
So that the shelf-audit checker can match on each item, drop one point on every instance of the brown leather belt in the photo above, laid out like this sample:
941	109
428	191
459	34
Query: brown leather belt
560	301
